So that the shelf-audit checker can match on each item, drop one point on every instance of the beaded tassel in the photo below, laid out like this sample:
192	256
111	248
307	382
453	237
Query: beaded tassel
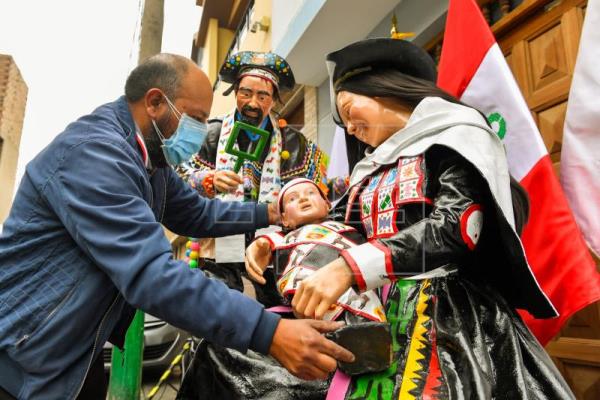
192	252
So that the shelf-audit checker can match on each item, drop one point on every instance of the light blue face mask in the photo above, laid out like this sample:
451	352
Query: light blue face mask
185	141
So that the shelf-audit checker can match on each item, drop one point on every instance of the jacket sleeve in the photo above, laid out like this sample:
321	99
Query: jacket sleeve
101	204
448	232
189	214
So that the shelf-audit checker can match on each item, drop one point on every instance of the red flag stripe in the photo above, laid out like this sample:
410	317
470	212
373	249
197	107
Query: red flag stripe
556	247
460	59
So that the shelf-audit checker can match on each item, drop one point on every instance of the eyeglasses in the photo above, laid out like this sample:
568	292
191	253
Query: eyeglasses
261	96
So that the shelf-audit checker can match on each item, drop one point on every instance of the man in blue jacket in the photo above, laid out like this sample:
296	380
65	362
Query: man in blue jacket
83	244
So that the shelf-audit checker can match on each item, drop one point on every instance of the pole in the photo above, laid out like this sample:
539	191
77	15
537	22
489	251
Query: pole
152	28
126	366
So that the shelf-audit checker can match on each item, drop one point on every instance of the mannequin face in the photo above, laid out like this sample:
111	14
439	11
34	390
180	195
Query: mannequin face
303	204
254	98
371	120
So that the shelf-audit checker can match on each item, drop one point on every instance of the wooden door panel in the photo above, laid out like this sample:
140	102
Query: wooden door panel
509	61
584	324
551	122
584	380
544	50
548	60
579	362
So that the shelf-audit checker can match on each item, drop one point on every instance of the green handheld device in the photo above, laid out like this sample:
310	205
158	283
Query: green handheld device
242	155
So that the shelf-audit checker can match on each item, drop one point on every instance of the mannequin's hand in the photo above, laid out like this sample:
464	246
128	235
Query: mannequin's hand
320	290
258	257
226	181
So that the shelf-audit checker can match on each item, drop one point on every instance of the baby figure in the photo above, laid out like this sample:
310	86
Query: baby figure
308	242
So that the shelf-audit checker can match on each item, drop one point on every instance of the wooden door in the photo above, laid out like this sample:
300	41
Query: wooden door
541	52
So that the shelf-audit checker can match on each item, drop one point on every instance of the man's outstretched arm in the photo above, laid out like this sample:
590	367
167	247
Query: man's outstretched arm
101	205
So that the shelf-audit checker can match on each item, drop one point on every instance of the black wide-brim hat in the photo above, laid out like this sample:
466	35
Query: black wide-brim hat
242	61
366	55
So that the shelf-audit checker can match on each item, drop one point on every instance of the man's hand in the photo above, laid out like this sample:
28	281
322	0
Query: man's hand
320	290
258	257
226	181
274	217
299	346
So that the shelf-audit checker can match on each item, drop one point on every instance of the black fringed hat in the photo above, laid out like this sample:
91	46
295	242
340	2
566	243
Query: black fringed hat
267	66
366	55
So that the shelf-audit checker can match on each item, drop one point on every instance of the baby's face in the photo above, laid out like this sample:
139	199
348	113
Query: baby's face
303	204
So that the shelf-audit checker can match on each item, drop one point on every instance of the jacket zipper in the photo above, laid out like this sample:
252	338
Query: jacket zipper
96	344
54	310
164	200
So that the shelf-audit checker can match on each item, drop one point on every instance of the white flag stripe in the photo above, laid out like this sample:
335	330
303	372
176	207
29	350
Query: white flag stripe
493	89
580	156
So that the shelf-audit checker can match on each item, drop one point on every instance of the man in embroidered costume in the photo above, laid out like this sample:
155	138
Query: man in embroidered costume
257	79
309	241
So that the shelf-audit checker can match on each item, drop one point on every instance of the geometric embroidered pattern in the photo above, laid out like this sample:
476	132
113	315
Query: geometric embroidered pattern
384	192
410	183
377	205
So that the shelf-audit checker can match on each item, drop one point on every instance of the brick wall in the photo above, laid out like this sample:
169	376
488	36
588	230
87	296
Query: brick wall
310	113
13	97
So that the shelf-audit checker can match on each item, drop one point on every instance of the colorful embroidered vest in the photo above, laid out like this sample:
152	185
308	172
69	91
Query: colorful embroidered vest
384	193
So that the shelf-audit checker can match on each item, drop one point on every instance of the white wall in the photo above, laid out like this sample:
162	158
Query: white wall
283	12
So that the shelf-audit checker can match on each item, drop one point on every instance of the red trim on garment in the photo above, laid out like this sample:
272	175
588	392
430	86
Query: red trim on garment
351	197
140	142
375	205
329	225
464	218
425	200
358	277
286	246
296	244
358	312
266	236
389	266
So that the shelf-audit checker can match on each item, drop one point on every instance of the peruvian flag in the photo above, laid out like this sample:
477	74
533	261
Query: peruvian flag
473	68
580	155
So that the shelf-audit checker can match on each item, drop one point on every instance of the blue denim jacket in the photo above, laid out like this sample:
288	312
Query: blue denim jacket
83	244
